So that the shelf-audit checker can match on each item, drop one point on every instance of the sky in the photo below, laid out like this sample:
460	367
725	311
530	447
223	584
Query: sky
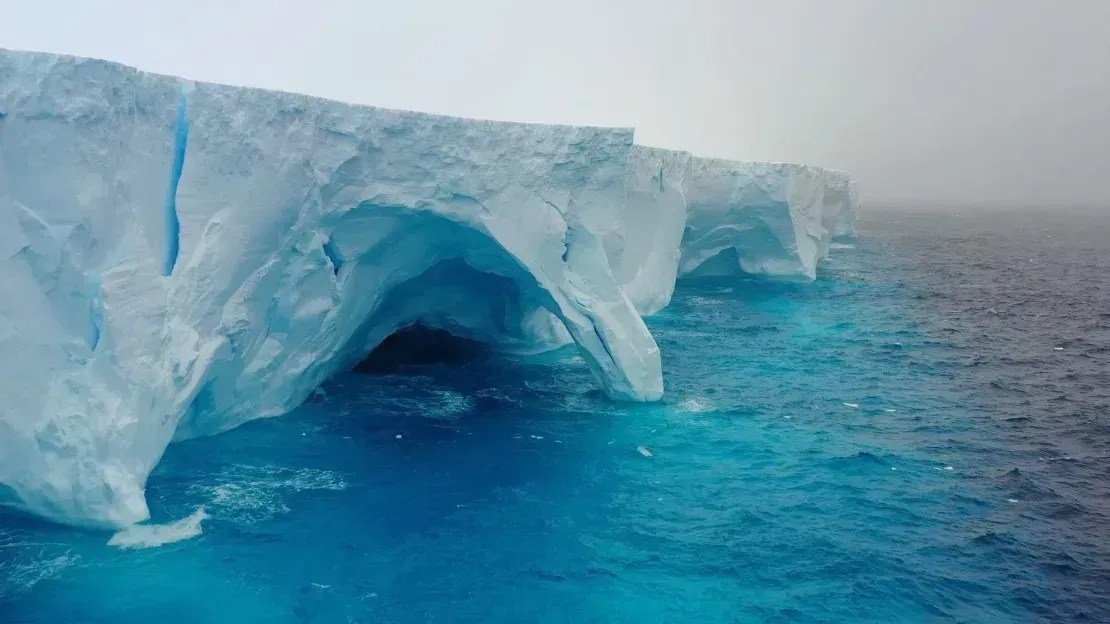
926	101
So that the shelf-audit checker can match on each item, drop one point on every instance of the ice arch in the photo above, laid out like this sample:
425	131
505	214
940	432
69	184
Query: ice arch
383	268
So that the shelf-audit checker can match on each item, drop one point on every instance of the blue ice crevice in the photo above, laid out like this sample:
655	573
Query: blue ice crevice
334	256
96	318
173	223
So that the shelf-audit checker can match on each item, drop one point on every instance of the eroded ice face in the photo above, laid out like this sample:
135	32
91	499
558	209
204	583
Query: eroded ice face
177	258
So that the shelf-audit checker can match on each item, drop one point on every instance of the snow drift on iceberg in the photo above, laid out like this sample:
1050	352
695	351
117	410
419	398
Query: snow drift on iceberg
177	257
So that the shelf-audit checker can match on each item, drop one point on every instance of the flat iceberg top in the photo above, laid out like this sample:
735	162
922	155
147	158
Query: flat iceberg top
179	257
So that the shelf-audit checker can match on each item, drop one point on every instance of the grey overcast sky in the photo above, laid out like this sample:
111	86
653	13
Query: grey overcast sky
1000	101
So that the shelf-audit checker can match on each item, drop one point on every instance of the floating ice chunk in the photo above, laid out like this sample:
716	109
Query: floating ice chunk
1057	348
152	535
852	405
645	451
1011	500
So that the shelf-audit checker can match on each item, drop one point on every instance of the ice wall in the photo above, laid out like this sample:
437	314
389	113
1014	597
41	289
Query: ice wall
177	258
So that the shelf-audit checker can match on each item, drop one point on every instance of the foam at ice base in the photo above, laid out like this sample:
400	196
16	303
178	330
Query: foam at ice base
177	258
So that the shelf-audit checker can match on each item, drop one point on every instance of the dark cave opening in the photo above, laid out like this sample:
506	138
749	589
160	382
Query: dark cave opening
419	346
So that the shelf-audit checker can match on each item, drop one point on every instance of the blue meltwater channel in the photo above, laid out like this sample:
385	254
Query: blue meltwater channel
920	435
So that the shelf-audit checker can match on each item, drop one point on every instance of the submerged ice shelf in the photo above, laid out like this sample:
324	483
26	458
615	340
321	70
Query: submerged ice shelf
177	257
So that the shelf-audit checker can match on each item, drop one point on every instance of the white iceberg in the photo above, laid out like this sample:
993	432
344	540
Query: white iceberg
177	258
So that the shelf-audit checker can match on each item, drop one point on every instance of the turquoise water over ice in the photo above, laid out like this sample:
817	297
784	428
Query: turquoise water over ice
828	452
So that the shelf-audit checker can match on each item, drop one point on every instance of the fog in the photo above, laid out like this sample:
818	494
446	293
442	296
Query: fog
977	102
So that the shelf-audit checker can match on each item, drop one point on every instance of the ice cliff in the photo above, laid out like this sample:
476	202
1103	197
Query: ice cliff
177	257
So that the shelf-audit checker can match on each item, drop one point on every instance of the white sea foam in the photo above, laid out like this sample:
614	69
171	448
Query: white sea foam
250	494
21	572
22	576
695	404
453	403
703	301
841	246
153	535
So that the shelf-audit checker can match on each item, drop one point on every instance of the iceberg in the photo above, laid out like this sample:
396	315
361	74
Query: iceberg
178	257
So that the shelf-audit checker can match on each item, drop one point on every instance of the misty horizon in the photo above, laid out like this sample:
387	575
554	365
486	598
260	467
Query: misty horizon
988	102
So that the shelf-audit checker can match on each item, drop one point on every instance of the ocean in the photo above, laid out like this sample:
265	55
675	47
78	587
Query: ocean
921	435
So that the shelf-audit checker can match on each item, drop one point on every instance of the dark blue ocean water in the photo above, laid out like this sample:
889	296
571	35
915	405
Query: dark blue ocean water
922	435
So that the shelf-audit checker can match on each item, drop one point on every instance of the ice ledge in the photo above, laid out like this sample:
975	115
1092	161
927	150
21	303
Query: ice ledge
177	257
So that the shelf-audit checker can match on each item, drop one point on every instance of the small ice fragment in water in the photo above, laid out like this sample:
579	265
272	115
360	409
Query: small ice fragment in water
889	410
893	468
992	310
949	468
398	436
536	437
852	405
643	450
149	535
1057	348
1011	500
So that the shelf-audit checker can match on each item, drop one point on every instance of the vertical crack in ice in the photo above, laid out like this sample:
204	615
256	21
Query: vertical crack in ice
334	256
173	224
95	318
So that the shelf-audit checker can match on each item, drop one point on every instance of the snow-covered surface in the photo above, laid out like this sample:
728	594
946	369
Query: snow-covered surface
177	258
